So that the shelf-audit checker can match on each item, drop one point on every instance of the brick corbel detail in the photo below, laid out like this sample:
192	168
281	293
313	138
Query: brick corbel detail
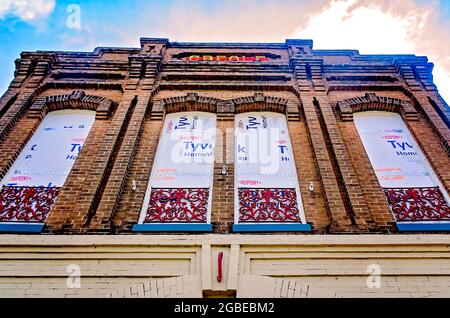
76	100
371	101
32	67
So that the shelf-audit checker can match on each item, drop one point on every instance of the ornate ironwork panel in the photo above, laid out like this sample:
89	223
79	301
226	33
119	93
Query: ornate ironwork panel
26	204
418	204
178	205
268	205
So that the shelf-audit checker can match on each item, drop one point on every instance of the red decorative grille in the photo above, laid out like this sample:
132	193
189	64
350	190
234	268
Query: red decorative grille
418	204
26	204
268	205
178	205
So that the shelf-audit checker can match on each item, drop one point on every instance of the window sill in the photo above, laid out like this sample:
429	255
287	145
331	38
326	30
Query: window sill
271	227
21	227
432	227
162	227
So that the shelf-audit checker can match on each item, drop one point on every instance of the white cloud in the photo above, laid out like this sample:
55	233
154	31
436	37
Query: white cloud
385	27
27	10
370	26
244	20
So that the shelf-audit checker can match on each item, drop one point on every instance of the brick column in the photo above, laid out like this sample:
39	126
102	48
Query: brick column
434	110
416	74
346	172
144	69
313	202
130	201
309	85
222	210
340	220
110	197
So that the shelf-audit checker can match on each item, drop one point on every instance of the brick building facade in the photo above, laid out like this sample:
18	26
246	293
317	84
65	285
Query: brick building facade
353	219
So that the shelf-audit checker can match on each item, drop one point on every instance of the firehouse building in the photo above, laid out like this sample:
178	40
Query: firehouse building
224	169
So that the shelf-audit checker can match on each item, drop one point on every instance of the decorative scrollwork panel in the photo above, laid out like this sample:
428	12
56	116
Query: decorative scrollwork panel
178	205
26	204
418	204
268	205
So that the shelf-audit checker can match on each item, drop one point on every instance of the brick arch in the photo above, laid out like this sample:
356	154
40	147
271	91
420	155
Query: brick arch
371	101
190	102
259	102
194	102
75	100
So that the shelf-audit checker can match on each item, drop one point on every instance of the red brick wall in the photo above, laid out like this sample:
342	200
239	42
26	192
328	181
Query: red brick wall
97	196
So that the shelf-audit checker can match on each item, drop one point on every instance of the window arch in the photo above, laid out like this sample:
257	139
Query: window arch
179	192
31	185
415	194
267	192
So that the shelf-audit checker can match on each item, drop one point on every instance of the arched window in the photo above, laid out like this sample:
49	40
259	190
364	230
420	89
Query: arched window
30	187
179	192
416	197
267	192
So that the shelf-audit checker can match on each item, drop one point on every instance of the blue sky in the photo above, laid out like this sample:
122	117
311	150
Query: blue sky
372	26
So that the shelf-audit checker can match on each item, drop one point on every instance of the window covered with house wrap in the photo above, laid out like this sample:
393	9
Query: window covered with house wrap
180	185
30	187
266	185
412	189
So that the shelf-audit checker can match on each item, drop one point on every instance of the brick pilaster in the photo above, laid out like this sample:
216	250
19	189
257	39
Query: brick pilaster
308	74
346	173
340	220
130	201
101	219
144	69
313	202
222	210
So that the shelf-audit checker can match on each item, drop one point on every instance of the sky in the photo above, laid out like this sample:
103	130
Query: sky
420	27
